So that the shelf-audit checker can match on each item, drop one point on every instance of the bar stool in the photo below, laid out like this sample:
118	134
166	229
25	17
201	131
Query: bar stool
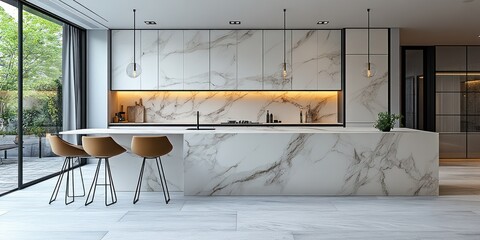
102	148
151	147
69	151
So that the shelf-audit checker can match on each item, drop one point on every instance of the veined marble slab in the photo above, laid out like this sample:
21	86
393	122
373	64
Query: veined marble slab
221	106
369	163
366	97
284	161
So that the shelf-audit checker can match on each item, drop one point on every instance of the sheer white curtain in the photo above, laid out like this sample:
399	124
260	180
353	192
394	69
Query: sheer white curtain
74	113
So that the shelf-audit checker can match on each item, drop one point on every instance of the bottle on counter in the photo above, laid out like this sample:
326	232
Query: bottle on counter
115	118
309	117
301	116
268	117
271	117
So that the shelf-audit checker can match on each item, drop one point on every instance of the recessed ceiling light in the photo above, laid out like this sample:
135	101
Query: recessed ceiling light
235	22
322	22
150	23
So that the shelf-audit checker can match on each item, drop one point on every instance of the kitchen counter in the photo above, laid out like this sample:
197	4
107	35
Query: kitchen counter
285	161
230	129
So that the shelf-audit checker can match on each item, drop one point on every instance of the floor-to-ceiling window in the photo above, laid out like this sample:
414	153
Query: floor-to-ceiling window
8	96
42	92
30	88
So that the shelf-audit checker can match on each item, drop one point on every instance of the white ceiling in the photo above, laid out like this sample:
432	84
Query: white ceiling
422	22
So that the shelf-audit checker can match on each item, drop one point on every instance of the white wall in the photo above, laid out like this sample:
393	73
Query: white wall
395	71
98	73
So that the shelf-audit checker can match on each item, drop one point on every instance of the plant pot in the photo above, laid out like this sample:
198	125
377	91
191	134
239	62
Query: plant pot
386	130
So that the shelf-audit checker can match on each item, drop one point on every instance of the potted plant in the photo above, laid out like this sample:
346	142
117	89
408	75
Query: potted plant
386	121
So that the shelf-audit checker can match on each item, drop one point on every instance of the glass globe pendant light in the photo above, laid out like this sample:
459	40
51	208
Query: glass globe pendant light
369	69
133	69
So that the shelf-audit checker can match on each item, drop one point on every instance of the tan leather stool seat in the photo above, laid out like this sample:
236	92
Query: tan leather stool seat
69	151
102	148
151	147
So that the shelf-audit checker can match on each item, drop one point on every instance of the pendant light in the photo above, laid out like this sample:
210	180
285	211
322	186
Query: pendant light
370	69
133	69
284	65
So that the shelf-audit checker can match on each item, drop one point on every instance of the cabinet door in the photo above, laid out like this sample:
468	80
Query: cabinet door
170	55
122	55
366	97
304	55
329	59
273	60
196	60
223	60
357	39
249	49
149	60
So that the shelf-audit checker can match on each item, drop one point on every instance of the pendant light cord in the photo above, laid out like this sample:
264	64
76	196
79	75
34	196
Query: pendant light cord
284	39
134	43
368	37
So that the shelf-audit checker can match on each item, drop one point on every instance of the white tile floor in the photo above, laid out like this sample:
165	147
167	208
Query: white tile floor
26	214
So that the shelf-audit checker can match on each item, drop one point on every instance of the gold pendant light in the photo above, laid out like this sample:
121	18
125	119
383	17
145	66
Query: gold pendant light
370	69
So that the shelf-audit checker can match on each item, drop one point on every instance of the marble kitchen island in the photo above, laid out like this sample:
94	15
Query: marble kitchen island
285	161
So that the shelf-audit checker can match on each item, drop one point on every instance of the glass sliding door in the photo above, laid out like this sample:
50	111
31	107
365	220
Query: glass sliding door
31	91
473	101
414	77
8	96
458	101
42	92
451	96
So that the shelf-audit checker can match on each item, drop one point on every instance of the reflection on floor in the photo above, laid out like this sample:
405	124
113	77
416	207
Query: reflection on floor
34	168
460	177
26	214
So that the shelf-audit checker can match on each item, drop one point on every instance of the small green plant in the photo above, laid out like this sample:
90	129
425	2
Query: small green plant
386	121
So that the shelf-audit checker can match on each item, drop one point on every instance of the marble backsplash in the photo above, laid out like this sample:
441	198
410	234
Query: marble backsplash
221	106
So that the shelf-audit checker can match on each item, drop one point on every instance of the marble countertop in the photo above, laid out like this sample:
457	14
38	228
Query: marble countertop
183	130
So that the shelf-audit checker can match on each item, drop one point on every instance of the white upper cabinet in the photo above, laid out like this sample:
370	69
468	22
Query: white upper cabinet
273	55
223	59
170	55
304	55
329	60
249	49
149	60
316	60
231	59
122	55
196	65
357	39
366	97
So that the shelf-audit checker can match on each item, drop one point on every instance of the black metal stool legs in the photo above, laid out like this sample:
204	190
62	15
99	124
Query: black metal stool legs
59	182
163	180
67	168
161	175
108	182
113	193
94	184
139	183
81	178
